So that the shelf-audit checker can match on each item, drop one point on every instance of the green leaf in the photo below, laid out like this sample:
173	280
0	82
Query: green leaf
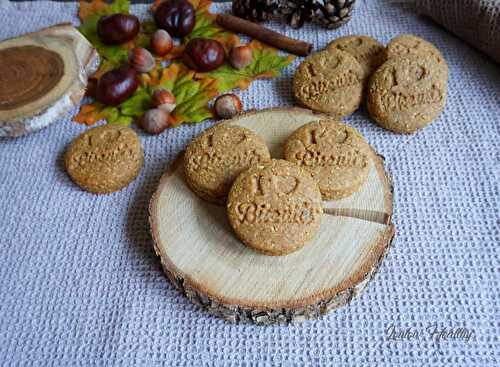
191	95
115	55
266	63
192	99
149	26
206	27
192	90
90	13
124	120
100	7
111	114
137	104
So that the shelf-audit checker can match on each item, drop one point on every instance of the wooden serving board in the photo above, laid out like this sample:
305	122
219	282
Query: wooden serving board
203	258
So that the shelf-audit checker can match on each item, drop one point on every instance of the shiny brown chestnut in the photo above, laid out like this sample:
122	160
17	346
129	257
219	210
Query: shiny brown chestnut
203	54
116	85
177	17
117	28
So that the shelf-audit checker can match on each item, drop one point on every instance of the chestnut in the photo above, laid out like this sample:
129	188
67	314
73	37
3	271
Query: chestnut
115	86
177	17
117	28
203	54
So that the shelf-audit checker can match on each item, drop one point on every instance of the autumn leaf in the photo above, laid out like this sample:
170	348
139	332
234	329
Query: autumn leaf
123	114
137	104
192	90
90	9
205	27
89	14
266	63
91	113
192	96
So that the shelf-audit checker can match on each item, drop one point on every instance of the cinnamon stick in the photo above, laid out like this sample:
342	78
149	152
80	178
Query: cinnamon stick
264	34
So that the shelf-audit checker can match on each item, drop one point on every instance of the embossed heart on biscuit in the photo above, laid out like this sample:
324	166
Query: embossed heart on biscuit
224	139
275	184
103	138
285	184
402	79
354	43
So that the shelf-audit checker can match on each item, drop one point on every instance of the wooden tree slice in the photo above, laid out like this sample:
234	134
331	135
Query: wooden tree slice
43	75
203	258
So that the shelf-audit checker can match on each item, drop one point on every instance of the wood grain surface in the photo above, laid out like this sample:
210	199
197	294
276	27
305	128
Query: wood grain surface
203	258
44	76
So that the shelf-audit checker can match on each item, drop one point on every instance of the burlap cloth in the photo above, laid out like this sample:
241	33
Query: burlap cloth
80	284
476	21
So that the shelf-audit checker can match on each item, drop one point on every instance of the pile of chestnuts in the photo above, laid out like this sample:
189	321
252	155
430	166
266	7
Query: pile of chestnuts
173	18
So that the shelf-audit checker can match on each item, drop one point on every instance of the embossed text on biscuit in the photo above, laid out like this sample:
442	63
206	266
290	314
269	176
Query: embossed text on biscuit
400	101
263	213
315	88
216	159
118	153
348	159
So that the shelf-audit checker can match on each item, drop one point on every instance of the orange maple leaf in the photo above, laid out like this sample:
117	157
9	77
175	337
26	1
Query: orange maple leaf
193	90
89	114
88	9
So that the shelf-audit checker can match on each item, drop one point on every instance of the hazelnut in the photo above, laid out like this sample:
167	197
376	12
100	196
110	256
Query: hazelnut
164	100
227	106
155	121
240	56
161	42
141	60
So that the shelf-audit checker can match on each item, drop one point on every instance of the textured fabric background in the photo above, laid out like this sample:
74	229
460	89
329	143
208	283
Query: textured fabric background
476	21
80	284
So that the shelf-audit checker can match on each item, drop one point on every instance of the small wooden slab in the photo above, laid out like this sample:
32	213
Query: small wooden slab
43	75
203	258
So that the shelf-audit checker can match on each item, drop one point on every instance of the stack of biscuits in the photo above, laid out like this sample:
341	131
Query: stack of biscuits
404	84
275	205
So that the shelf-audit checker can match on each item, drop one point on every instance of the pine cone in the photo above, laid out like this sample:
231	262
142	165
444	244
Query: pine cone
329	13
296	12
254	10
334	13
